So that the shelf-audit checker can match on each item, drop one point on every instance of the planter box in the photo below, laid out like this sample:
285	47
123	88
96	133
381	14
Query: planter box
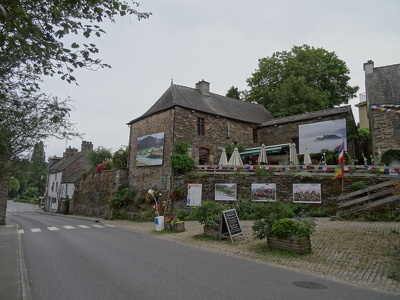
179	227
298	245
212	232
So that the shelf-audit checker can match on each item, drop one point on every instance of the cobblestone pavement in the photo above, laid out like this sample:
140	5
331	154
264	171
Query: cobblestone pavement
358	253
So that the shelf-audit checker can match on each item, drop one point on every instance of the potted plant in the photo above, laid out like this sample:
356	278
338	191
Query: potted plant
209	214
292	234
174	224
275	221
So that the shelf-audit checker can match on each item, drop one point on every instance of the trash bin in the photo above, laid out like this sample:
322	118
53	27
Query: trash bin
159	221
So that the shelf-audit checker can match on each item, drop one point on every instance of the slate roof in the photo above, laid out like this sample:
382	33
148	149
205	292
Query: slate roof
222	106
310	115
74	177
64	163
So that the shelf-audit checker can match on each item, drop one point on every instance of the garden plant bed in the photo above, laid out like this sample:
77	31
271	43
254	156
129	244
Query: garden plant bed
179	227
300	245
212	232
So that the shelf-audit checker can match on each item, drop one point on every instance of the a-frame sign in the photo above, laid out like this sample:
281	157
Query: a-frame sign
230	224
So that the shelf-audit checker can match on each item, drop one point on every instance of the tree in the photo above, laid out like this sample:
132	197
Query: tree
233	93
38	169
98	156
32	44
302	80
13	187
32	32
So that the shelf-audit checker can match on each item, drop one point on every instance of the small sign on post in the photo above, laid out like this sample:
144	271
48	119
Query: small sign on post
230	224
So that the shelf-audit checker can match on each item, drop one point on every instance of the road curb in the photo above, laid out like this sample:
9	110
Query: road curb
22	269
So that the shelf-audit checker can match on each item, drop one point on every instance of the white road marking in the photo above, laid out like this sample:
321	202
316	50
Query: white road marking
36	230
21	231
109	225
98	226
52	228
69	227
83	226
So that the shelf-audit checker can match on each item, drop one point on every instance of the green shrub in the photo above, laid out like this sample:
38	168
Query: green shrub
263	172
209	214
181	162
266	214
284	228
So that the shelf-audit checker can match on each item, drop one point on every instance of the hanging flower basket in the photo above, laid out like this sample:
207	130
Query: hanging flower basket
301	245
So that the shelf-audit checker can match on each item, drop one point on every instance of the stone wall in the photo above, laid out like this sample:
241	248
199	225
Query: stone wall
219	133
3	201
330	188
95	191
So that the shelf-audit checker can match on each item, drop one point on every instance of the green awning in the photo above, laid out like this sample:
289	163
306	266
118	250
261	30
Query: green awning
270	150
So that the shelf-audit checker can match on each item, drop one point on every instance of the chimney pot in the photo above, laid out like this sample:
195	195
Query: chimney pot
203	87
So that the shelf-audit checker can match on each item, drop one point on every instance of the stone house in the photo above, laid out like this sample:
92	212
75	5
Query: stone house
286	129
208	123
62	175
382	85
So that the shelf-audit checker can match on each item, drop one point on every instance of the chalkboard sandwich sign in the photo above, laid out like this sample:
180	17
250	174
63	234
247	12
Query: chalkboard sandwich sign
230	224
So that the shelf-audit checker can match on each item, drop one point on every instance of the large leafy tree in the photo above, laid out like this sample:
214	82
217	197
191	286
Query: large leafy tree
32	32
301	80
33	44
233	93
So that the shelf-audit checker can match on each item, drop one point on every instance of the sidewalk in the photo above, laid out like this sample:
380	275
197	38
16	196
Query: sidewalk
13	283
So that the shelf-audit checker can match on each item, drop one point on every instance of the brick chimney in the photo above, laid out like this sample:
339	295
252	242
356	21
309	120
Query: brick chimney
70	152
203	87
369	67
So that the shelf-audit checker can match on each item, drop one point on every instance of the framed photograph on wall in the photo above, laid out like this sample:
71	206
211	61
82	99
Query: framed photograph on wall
226	191
307	193
150	150
194	194
263	192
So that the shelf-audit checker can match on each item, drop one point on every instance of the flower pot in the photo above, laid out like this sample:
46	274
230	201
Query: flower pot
179	227
300	245
212	232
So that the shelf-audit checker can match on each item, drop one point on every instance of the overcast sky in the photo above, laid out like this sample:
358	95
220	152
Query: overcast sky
219	41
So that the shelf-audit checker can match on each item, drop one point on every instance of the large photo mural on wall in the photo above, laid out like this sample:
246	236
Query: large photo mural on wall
150	150
322	135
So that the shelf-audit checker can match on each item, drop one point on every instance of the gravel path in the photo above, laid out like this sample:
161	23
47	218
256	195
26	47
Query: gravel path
358	253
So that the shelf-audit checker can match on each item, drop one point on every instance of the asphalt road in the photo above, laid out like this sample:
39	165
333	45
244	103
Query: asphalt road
69	258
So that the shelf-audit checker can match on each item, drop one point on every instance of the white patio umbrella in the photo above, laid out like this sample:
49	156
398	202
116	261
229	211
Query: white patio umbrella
307	158
293	155
262	158
223	161
235	159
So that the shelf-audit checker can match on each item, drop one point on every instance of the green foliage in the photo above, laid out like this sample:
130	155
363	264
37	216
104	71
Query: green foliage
359	185
123	198
98	156
390	156
38	169
266	214
181	162
284	227
244	207
182	215
233	93
32	34
209	214
302	80
230	148
120	161
366	144
178	193
263	172
13	187
296	227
